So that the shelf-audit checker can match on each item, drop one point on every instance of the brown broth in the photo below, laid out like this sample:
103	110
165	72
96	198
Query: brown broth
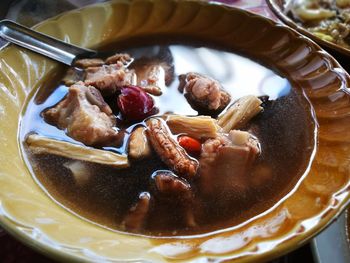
285	129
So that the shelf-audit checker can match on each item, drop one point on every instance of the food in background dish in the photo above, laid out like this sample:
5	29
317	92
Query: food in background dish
150	142
326	19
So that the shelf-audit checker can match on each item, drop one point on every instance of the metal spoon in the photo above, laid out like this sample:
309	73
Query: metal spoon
42	44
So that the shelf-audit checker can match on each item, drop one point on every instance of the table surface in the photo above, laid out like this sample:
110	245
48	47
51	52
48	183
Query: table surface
26	12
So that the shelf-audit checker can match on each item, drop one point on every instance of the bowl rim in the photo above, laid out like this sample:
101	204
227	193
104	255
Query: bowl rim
276	9
282	248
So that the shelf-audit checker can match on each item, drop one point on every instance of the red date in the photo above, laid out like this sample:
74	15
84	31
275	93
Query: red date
135	104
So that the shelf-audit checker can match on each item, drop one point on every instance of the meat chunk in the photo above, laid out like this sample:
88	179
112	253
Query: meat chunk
108	78
88	62
123	58
106	75
225	162
72	76
156	76
205	94
139	146
85	115
240	112
137	214
151	78
176	189
168	149
155	67
151	89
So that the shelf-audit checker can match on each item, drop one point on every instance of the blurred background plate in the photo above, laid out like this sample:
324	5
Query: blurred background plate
278	7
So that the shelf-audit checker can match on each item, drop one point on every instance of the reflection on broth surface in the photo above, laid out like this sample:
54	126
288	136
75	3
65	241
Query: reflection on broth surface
110	196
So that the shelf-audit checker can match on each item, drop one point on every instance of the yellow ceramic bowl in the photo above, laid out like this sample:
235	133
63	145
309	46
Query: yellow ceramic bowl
30	215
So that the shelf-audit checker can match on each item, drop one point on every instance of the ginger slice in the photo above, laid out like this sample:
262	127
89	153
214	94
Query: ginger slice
39	145
239	113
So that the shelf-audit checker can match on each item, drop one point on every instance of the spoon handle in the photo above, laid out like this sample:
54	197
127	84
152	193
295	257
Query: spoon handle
42	44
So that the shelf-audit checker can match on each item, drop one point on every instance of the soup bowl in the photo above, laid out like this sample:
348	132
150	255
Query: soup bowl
28	212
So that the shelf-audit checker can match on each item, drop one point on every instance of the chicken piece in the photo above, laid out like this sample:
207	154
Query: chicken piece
178	190
139	146
42	145
156	76
153	90
225	162
124	58
151	78
88	62
155	67
205	94
97	62
108	78
168	149
85	116
107	75
198	127
240	113
137	214
72	76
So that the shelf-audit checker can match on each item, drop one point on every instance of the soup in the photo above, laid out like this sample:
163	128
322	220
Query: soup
168	139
